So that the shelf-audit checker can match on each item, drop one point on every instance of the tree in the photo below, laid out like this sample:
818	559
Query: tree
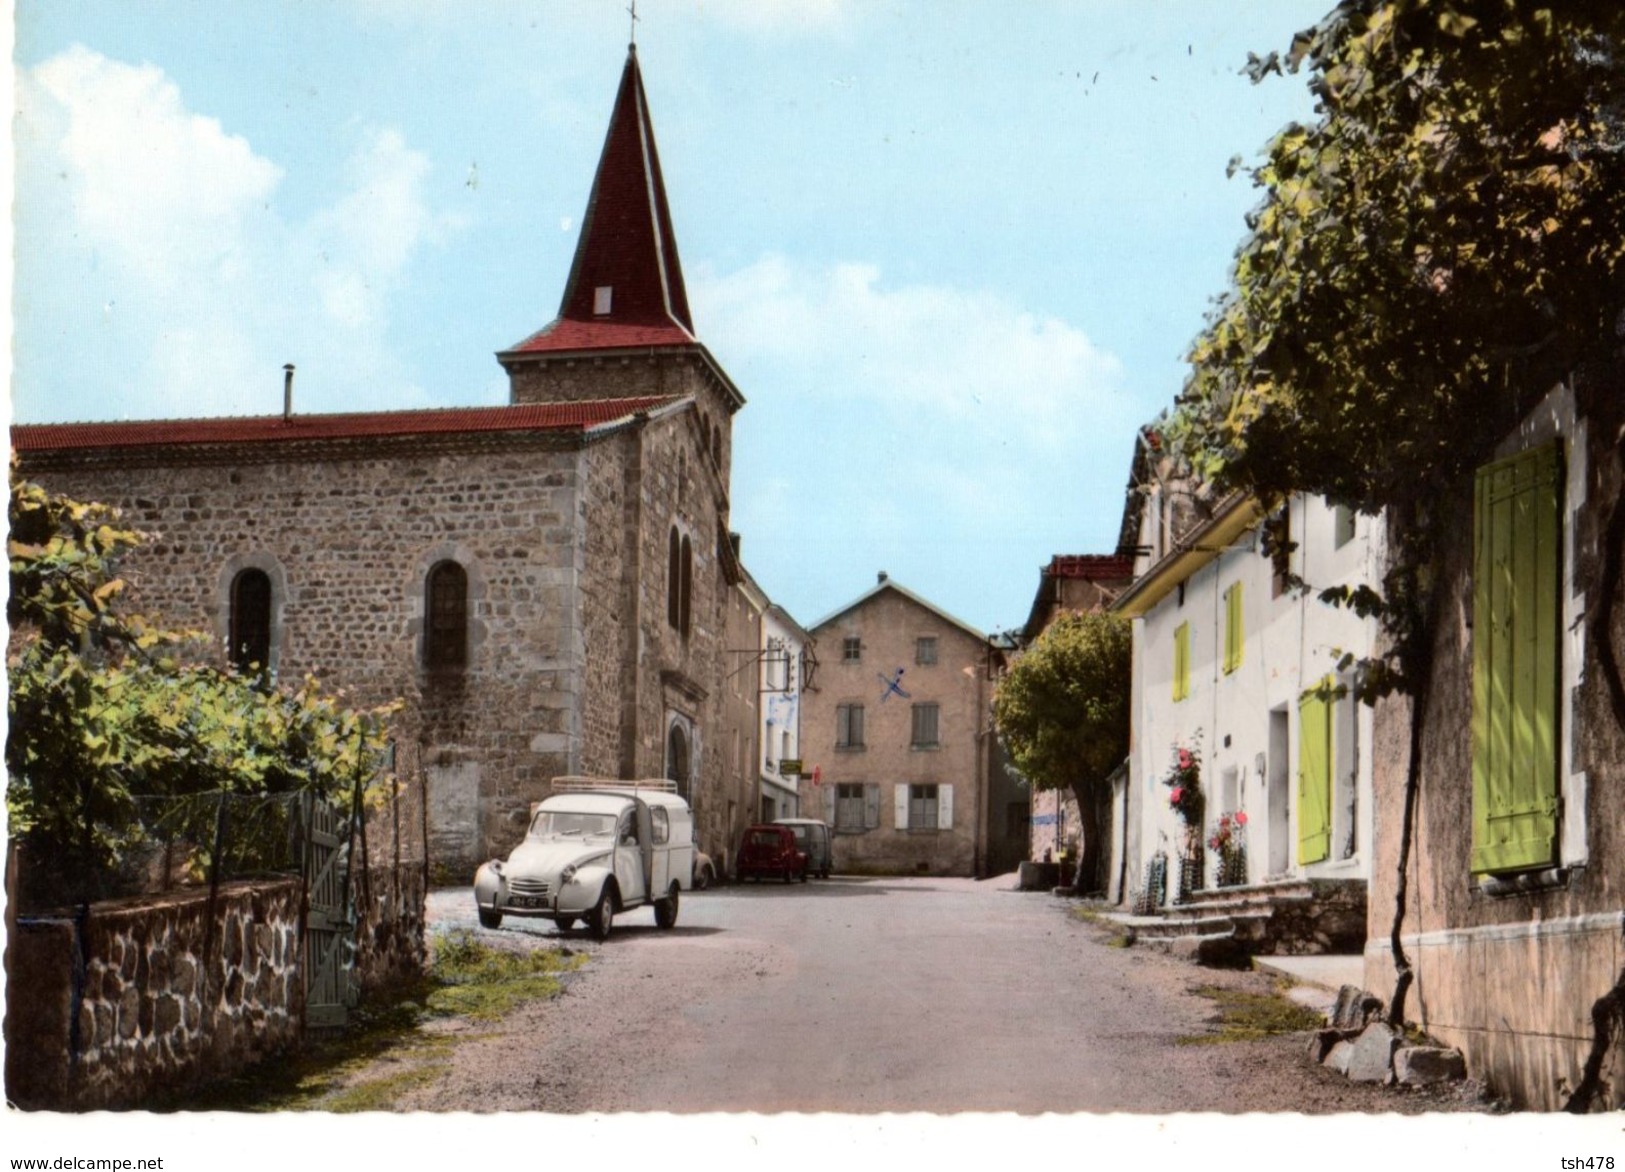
1063	714
107	708
1445	242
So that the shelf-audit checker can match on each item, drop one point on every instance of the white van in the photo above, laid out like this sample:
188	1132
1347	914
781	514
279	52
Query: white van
594	849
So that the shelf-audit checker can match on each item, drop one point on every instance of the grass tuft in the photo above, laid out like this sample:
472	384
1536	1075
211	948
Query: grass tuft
1246	1016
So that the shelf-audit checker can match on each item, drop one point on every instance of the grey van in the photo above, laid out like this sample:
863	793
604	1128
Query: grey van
813	840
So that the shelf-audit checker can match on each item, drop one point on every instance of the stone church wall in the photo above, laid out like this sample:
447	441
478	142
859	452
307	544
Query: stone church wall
348	535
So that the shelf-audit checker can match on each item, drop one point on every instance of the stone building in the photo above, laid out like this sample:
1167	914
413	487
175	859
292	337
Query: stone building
545	584
899	726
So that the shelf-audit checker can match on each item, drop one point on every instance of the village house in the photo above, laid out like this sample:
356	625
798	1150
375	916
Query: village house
900	728
1252	675
785	660
1513	917
545	584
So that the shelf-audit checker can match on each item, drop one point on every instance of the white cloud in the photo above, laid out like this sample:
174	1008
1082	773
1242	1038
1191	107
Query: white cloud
152	236
966	357
927	430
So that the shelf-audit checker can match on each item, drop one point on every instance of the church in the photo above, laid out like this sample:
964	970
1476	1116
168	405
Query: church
544	584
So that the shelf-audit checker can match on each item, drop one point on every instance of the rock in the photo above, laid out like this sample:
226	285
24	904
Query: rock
1424	1066
1372	1060
1340	1055
1322	1042
1355	1007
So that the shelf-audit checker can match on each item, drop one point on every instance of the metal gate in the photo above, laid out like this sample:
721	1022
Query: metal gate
329	949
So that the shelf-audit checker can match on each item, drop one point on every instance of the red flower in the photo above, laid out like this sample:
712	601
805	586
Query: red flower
1185	758
1241	818
1175	794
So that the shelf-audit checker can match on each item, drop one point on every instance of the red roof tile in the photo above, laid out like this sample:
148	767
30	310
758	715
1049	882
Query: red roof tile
626	245
1093	567
556	417
564	334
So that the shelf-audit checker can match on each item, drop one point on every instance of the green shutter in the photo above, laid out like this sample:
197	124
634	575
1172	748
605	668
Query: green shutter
1182	661
1233	632
1517	616
1314	776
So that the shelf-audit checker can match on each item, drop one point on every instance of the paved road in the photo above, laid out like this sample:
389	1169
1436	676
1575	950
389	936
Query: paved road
856	996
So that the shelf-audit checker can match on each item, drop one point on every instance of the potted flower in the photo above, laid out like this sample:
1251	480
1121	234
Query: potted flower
1229	840
1184	782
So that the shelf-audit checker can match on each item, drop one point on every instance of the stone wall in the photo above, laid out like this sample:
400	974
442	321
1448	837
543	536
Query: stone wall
167	996
1509	973
348	534
391	927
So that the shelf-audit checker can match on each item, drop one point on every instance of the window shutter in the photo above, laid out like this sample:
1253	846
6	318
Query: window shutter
871	805
1182	661
1517	596
829	804
945	807
900	806
1233	632
1314	778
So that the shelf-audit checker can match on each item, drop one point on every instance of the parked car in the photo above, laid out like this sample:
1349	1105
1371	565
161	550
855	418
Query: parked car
768	850
705	871
594	849
812	839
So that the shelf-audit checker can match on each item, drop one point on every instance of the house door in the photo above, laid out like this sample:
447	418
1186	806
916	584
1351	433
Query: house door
1278	796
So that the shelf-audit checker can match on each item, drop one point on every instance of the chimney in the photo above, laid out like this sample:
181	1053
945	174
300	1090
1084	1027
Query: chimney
882	577
287	391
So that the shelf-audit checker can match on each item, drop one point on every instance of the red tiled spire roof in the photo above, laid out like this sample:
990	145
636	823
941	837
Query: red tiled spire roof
626	283
557	417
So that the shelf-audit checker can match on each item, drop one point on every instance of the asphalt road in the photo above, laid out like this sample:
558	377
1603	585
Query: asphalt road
869	995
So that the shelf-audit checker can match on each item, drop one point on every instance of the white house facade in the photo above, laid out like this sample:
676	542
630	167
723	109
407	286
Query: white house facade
785	660
1254	678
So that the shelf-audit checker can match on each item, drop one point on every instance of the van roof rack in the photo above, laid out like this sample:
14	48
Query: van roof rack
576	785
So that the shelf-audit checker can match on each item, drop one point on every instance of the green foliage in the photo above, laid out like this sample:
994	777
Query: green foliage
1445	241
107	709
1063	709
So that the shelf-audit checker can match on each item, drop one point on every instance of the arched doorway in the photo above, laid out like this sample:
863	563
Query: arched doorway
678	765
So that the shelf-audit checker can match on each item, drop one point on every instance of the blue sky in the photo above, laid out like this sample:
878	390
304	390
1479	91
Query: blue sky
952	253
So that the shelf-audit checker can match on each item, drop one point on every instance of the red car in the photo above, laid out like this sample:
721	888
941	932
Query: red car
768	851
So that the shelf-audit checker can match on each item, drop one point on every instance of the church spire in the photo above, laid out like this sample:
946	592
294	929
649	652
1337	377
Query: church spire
626	283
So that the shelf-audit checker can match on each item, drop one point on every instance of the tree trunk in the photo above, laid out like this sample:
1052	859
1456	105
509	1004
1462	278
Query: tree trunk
1091	856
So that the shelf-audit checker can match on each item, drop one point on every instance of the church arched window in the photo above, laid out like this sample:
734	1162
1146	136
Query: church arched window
687	591
445	639
679	581
249	648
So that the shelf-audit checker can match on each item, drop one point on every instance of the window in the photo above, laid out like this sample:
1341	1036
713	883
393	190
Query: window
857	807
925	726
1315	757
784	745
1342	526
1233	632
445	645
925	649
851	649
849	726
660	824
1517	619
1182	661
1280	549
924	807
250	645
679	581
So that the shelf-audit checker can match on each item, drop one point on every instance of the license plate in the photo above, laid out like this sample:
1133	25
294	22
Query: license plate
529	901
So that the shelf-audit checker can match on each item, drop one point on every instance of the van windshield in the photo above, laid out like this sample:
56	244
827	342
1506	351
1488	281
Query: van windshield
568	824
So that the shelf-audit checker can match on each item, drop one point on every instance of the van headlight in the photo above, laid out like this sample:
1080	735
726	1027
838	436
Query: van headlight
567	875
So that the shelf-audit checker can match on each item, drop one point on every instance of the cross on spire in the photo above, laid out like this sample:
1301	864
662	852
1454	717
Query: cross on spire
633	9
